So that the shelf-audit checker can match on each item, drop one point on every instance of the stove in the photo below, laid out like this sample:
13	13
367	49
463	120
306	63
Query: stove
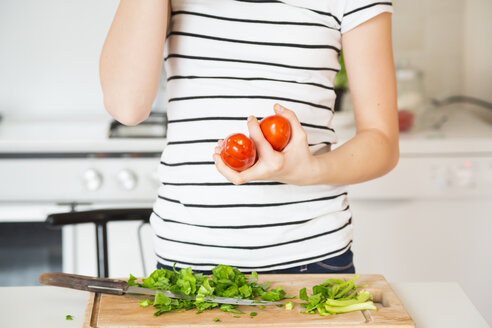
55	166
86	162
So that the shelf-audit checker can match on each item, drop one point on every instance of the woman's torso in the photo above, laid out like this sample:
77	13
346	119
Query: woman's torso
226	60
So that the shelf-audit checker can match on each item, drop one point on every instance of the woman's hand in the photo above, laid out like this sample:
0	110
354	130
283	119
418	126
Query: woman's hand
374	150
293	165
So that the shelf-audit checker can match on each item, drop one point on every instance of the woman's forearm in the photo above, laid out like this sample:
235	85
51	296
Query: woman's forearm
131	58
370	154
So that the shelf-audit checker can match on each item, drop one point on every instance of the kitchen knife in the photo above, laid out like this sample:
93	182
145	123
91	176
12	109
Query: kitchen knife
120	287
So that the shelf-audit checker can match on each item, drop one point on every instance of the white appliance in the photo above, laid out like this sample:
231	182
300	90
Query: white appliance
58	166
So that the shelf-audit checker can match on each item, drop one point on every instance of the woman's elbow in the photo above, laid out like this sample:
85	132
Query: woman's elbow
394	157
126	111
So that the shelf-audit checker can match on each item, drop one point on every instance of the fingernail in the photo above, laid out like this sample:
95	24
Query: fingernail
250	118
279	108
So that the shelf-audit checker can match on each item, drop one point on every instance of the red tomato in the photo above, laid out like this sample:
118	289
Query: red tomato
405	120
276	130
238	152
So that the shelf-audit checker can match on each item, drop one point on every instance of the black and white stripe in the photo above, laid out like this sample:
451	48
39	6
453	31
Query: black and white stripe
226	60
250	226
346	224
274	265
190	77
245	61
251	21
229	205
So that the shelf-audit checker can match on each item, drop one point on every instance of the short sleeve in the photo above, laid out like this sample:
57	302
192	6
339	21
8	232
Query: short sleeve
359	11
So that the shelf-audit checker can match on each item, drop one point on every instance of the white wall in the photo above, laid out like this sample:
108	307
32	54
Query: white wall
478	49
49	53
428	35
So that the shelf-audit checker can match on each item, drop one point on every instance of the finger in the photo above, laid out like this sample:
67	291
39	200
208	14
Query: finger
256	172
262	145
218	147
227	172
298	131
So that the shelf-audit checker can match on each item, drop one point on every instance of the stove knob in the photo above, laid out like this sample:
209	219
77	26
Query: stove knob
127	179
440	176
463	177
93	180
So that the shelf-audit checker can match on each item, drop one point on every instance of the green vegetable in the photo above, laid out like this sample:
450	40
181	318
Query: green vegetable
225	281
253	314
145	303
230	308
289	306
303	294
68	317
237	316
131	280
336	296
341	80
216	319
349	308
261	307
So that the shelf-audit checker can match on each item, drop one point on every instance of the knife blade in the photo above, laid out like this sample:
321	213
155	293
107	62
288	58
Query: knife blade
120	287
216	299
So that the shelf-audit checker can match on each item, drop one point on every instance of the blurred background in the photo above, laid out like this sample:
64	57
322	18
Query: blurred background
428	220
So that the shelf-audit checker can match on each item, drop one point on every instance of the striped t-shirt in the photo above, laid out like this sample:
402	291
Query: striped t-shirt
226	60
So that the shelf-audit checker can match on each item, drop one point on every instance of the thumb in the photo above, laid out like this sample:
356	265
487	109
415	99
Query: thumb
298	131
262	145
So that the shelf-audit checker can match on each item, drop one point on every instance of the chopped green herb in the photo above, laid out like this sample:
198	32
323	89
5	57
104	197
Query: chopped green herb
145	303
261	307
303	294
230	308
68	317
225	281
289	306
236	316
131	280
216	319
253	314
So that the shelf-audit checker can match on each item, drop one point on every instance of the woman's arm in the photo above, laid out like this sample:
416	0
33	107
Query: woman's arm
371	153
374	150
131	58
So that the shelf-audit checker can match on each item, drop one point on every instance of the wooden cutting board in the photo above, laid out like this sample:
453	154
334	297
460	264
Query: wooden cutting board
124	311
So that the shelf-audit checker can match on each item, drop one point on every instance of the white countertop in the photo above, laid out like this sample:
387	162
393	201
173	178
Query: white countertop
451	130
461	130
89	135
431	305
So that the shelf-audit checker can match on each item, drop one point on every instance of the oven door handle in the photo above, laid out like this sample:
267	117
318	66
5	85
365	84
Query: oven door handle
99	216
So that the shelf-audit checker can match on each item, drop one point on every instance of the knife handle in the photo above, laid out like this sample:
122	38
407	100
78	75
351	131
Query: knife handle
90	284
